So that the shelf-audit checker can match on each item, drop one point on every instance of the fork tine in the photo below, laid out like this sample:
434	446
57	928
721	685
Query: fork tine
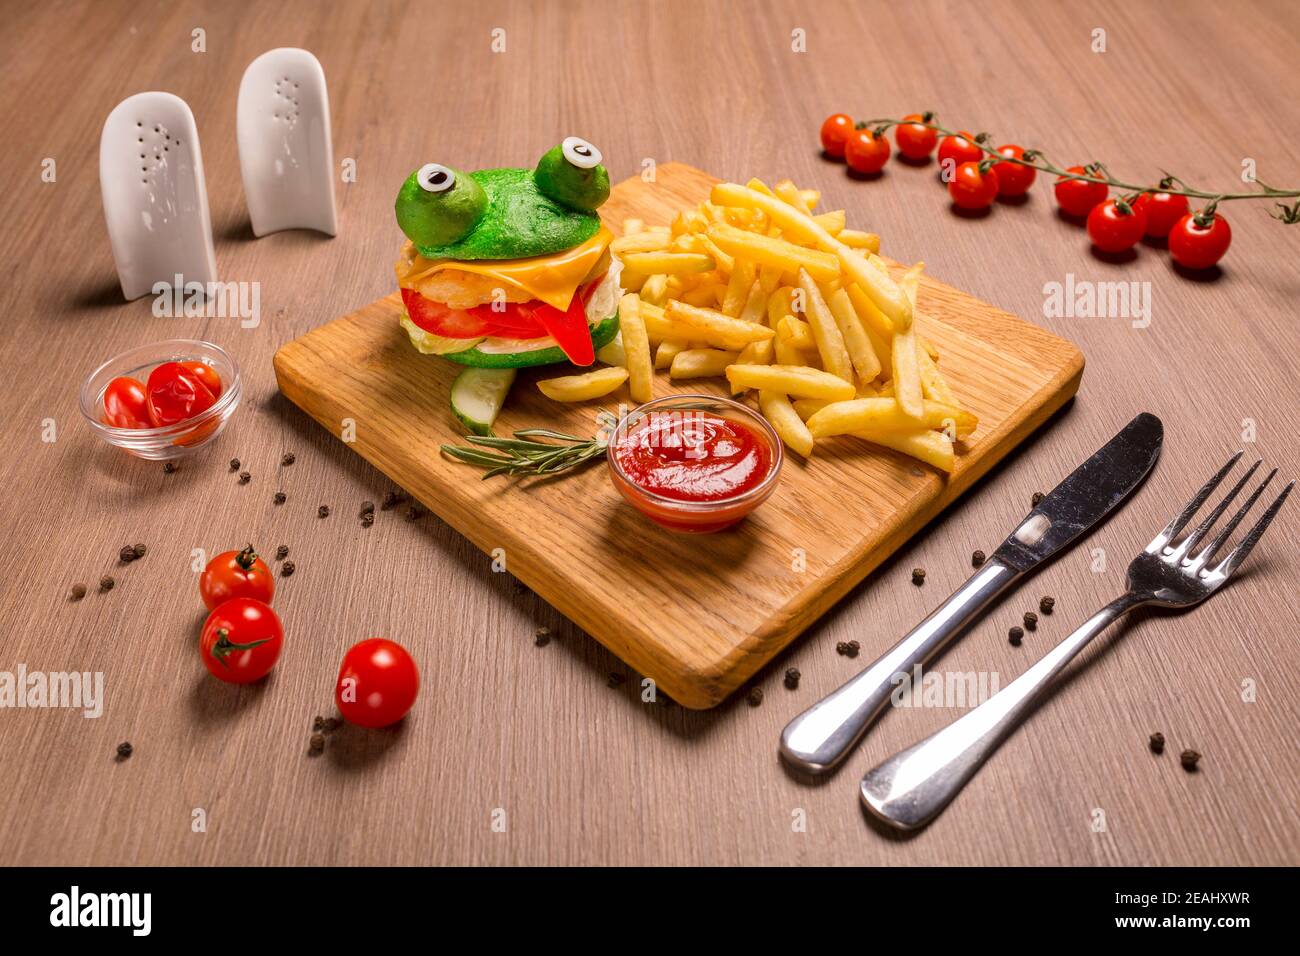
1242	550
1201	529
1193	506
1211	549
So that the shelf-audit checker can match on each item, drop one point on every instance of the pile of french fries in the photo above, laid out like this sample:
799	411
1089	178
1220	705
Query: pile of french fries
754	286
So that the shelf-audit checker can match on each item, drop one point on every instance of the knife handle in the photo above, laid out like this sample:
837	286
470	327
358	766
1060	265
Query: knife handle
819	738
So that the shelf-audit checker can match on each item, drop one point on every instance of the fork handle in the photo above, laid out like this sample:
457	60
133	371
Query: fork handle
913	786
819	738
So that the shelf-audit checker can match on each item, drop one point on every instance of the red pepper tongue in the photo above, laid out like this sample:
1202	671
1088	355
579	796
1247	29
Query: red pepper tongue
569	329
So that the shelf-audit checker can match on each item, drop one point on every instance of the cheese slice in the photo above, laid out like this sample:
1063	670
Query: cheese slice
553	279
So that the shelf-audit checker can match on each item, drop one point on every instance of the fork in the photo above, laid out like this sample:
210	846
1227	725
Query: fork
909	789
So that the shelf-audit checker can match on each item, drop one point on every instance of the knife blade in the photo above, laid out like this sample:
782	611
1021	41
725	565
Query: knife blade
818	739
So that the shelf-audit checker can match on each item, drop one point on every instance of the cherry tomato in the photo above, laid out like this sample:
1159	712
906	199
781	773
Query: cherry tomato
1116	228
1013	179
1194	246
175	394
206	374
241	641
836	130
377	683
865	152
972	189
1163	211
236	574
915	141
126	405
1076	196
959	149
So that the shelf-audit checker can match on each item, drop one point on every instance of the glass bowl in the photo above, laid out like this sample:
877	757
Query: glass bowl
695	517
170	441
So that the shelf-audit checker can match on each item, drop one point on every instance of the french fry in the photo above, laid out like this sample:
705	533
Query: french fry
645	241
738	285
861	352
669	263
778	305
702	295
832	222
788	193
707	325
700	363
771	251
808	407
906	374
883	414
726	263
658	327
787	353
933	385
856	239
755	305
583	388
933	448
785	421
636	348
667	351
632	226
755	353
880	331
810	197
655	289
796	332
797	380
874	282
825	331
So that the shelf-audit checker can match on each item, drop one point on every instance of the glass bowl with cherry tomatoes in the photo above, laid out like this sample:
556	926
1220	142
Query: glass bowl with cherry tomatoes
164	400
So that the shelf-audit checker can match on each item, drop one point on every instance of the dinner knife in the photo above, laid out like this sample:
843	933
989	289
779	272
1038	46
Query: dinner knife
819	738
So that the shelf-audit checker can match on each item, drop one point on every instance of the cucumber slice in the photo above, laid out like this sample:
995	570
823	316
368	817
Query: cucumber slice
477	396
613	353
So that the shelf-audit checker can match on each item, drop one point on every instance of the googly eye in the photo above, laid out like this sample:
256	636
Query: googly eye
435	178
581	153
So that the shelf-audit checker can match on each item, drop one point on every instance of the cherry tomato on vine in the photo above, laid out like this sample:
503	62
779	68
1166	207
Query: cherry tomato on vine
206	374
1163	211
971	188
915	141
1013	179
1196	246
1114	226
236	574
1077	196
959	149
126	405
865	152
377	683
175	394
241	641
836	129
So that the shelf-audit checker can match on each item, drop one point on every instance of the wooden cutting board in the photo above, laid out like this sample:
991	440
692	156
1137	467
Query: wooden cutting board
699	614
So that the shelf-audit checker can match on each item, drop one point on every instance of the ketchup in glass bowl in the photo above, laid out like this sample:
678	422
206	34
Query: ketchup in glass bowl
694	463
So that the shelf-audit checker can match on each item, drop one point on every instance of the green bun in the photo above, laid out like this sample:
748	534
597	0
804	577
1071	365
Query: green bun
602	333
520	222
436	218
564	182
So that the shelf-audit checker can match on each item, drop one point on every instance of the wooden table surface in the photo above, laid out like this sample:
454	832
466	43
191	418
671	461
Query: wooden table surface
532	738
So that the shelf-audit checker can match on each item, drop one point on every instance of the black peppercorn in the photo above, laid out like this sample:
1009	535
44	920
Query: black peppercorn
367	508
106	583
1031	621
169	467
127	554
323	511
1035	498
124	750
78	592
1014	635
1189	759
317	743
977	559
245	477
279	497
841	647
367	520
542	636
287	458
139	550
1157	743
615	679
1046	605
318	722
918	576
287	569
234	464
755	696
413	513
332	724
792	676
282	552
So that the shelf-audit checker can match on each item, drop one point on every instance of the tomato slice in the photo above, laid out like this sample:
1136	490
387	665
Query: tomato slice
515	321
440	320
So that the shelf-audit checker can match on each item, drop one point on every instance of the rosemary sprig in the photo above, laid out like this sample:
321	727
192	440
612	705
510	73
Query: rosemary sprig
523	455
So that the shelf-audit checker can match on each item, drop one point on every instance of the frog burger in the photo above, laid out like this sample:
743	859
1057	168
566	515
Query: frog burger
506	268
